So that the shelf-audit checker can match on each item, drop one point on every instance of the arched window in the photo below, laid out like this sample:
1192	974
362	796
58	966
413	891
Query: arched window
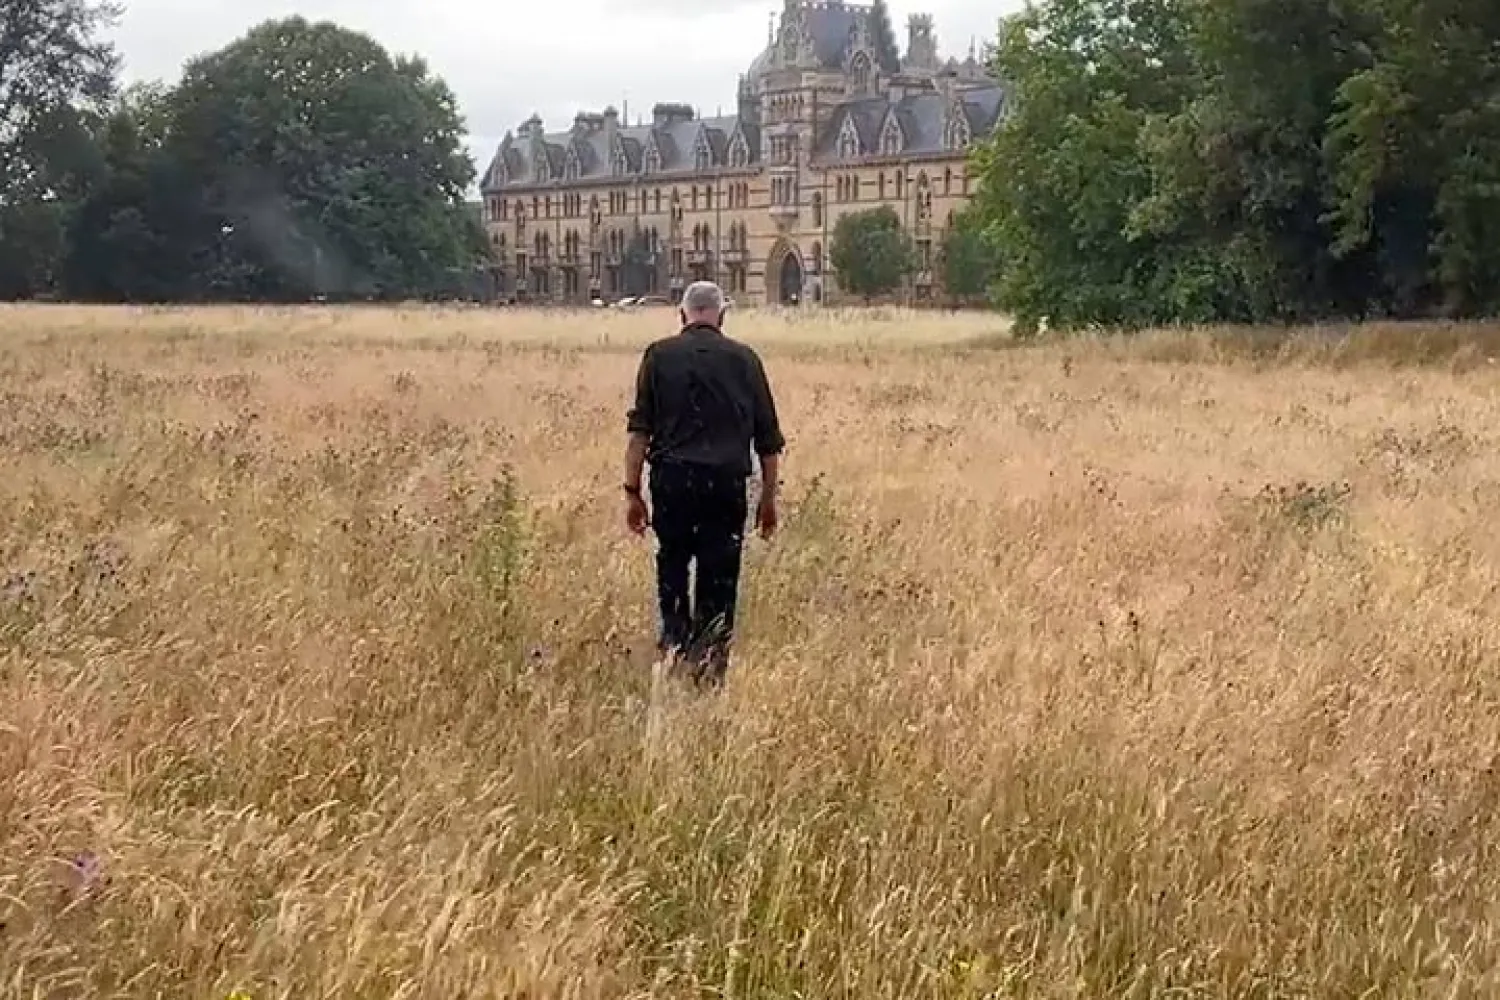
860	73
848	140
956	133
890	137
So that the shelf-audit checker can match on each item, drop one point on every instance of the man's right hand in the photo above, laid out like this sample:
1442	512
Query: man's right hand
637	517
767	517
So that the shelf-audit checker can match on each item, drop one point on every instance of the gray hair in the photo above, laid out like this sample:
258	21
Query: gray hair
702	297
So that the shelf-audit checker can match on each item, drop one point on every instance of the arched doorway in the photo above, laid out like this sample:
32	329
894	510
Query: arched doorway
784	274
790	293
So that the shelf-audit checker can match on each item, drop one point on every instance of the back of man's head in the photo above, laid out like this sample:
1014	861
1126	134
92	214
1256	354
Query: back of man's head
703	302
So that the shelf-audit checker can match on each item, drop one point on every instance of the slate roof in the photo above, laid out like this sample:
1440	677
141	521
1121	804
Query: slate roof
922	116
830	28
676	141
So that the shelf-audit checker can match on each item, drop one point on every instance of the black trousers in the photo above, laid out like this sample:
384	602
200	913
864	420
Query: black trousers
698	514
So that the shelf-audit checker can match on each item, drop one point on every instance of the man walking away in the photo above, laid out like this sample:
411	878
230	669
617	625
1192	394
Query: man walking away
702	402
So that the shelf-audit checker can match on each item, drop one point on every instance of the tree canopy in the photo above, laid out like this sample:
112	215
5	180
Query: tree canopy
1245	160
968	258
871	252
302	160
56	76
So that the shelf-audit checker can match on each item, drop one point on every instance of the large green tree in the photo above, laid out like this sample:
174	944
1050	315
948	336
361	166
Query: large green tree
1064	174
56	77
968	259
323	166
1238	177
132	237
1414	147
1246	160
870	251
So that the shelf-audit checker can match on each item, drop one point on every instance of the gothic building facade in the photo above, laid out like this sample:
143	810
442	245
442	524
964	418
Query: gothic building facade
831	118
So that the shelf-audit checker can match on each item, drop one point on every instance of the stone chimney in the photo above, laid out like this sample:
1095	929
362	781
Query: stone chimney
667	115
587	123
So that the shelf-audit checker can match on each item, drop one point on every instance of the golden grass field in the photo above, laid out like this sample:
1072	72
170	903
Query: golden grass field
1127	669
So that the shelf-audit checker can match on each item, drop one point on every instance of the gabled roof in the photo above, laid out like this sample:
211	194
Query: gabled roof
556	156
983	107
830	28
677	142
900	117
635	150
921	117
718	142
866	113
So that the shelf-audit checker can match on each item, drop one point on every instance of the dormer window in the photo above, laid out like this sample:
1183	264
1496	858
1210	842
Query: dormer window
890	137
956	135
848	140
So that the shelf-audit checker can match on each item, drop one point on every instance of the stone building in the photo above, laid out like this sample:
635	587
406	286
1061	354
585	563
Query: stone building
830	118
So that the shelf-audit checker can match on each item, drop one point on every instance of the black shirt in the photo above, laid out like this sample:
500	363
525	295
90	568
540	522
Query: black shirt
703	398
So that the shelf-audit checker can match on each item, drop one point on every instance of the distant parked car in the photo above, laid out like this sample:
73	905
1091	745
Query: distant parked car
642	301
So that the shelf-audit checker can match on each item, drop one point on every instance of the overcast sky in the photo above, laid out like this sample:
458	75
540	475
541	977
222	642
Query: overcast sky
507	58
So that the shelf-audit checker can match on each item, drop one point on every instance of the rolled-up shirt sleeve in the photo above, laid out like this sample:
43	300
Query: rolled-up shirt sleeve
642	416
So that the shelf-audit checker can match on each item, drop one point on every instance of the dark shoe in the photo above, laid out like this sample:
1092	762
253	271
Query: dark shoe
712	668
677	662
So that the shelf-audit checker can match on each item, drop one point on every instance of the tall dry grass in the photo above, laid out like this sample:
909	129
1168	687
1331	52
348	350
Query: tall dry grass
1102	669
